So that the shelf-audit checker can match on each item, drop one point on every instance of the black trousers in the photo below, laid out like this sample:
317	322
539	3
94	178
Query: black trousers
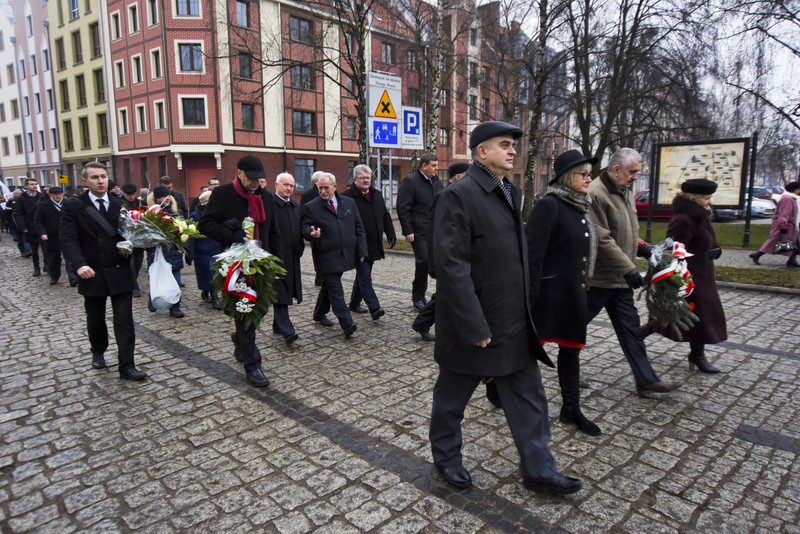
525	406
427	317
281	320
248	350
420	284
53	262
34	252
124	333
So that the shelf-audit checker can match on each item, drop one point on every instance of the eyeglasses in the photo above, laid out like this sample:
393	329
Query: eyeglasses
584	174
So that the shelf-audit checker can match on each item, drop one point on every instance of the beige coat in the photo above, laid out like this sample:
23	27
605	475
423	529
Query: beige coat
617	232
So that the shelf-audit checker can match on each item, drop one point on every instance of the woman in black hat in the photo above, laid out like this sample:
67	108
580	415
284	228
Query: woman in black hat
690	224
562	246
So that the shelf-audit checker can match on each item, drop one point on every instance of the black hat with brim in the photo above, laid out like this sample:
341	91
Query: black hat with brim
251	166
487	130
457	168
568	160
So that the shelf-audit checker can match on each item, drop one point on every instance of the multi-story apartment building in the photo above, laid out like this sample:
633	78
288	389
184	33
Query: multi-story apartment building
76	36
36	95
12	144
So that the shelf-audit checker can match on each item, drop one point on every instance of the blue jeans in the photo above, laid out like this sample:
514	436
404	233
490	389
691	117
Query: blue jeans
362	287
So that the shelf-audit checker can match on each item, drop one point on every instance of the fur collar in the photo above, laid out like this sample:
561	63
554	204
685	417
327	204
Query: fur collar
690	208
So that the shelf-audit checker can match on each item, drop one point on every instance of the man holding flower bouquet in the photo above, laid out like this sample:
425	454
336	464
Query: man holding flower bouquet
222	220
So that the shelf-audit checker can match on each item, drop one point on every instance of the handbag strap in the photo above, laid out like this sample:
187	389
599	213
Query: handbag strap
101	221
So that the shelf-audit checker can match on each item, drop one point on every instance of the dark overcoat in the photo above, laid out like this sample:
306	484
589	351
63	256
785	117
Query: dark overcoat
202	250
376	220
691	226
342	241
558	248
223	216
482	280
24	213
414	198
84	242
46	221
288	216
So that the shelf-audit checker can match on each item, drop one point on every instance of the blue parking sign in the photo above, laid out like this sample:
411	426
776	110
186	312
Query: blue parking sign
411	121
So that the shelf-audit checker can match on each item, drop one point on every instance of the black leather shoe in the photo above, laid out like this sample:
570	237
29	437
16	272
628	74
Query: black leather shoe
53	282
177	313
73	283
257	378
291	338
424	332
37	272
456	476
348	331
135	292
205	295
150	305
563	485
419	304
132	373
658	387
323	320
377	314
215	303
358	308
236	348
583	383
98	361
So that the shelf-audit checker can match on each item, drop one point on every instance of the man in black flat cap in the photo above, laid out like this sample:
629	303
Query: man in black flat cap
483	317
46	221
222	221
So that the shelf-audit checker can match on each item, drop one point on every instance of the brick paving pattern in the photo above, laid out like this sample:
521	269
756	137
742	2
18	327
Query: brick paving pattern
338	442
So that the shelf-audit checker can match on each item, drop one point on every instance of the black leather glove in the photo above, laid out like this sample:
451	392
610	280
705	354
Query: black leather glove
644	251
634	279
188	260
715	253
392	243
238	235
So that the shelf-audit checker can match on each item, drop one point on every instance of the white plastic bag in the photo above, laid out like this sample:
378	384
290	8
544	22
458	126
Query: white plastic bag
164	289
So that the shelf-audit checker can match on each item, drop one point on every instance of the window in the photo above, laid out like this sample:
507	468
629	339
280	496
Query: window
2	42
473	36
136	69
501	111
159	117
141	118
2	112
11	73
303	169
28	25
350	128
86	141
119	70
444	138
123	121
26	106
303	122
484	105
155	63
443	98
302	77
80	89
411	60
350	85
245	65
387	53
6	147
300	30
14	108
50	102
116	31
94	37
102	129
41	140
45	176
37	103
162	166
473	74
241	14
133	18
152	12
77	50
61	58
188	8
64	90
45	60
99	86
524	89
54	138
194	111
412	96
143	167
348	42
248	116
473	107
191	57
34	70
21	69
18	143
486	74
73	9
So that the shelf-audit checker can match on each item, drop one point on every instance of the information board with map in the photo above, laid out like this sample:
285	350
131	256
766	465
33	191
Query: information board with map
724	161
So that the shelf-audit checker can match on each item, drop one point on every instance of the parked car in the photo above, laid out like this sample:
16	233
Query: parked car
724	214
761	207
765	193
659	212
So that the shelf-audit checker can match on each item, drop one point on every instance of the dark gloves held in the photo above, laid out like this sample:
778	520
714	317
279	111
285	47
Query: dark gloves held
238	235
392	243
634	279
188	260
715	253
644	251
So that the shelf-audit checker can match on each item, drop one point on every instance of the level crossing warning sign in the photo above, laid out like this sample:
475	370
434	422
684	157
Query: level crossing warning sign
385	109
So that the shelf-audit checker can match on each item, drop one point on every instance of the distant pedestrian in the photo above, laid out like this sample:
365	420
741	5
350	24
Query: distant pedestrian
24	212
785	225
201	251
47	222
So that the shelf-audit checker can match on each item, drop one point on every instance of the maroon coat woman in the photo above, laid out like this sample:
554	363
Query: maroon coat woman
784	226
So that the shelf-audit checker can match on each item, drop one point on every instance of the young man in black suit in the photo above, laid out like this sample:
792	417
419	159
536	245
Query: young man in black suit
89	236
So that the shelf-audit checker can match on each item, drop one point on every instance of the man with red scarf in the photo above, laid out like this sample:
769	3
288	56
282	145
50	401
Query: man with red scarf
222	221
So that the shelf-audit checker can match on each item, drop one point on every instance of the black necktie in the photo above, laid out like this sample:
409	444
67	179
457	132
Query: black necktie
102	208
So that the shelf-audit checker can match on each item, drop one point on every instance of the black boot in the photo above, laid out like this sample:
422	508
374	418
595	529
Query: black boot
793	261
756	256
568	378
698	358
205	295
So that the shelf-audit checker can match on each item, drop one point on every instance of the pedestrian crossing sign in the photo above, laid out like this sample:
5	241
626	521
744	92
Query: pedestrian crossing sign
385	108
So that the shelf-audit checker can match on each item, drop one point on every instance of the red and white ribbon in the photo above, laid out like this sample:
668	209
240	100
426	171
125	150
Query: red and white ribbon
680	254
234	273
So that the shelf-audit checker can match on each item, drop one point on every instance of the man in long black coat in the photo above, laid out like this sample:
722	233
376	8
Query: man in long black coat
24	212
290	287
377	221
414	198
222	220
89	236
47	221
483	319
333	226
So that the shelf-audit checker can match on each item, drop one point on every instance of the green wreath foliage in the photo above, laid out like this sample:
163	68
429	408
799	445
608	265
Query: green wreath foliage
266	272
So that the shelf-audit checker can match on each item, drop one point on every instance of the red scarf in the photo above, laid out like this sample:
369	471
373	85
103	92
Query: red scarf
255	204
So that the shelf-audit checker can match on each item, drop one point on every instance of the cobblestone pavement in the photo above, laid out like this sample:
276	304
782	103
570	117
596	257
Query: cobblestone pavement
338	442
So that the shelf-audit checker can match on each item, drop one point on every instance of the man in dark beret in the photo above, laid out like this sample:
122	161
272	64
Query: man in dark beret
46	222
483	318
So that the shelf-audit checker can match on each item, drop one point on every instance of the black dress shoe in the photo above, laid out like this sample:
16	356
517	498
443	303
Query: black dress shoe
177	313
323	320
377	314
236	348
37	272
424	332
456	476
98	361
135	292
73	283
205	295
358	308
419	304
132	373
658	387
53	282
563	485
291	338
348	331
256	378
150	305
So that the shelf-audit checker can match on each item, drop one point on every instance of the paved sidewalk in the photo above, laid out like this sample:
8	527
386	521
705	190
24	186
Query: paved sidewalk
338	442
